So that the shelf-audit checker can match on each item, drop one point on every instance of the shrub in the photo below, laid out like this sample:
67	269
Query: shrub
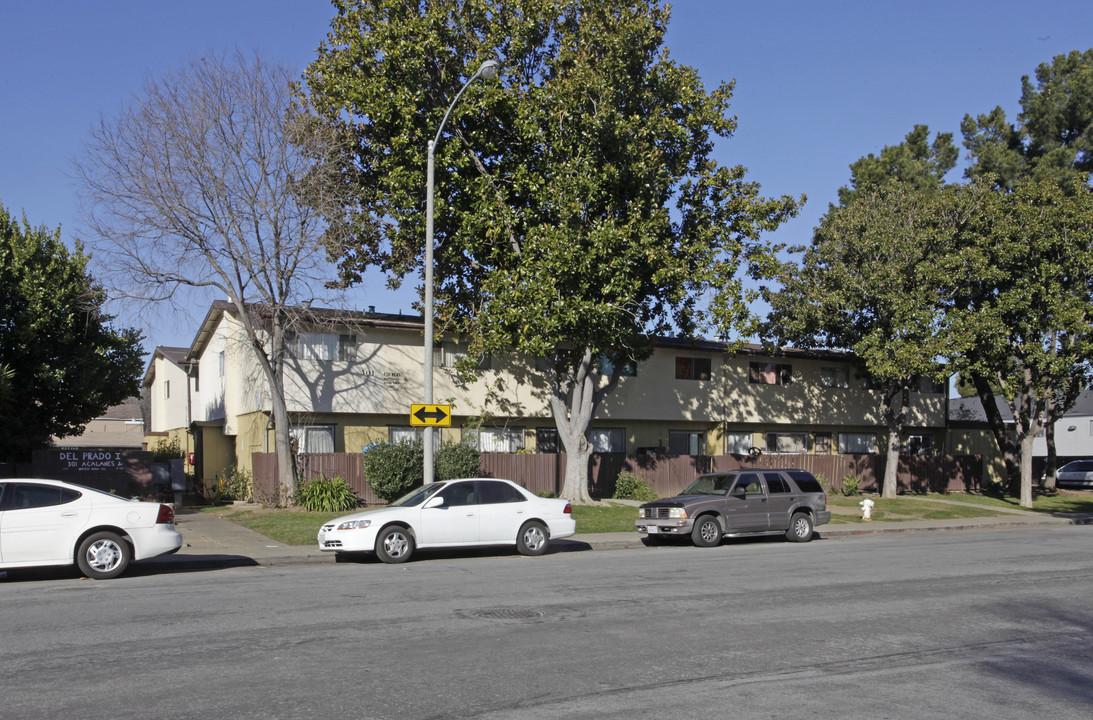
392	469
631	487
457	460
327	495
167	449
851	484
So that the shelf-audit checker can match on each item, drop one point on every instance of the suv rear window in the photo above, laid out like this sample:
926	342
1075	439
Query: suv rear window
806	481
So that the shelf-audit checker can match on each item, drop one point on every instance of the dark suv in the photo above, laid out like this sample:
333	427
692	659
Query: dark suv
736	503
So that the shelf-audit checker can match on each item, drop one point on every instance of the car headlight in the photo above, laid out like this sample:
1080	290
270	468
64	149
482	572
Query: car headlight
677	513
354	524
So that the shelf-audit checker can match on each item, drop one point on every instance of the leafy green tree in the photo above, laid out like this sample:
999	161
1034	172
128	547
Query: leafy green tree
915	161
578	209
1053	137
65	363
1052	141
1022	316
871	283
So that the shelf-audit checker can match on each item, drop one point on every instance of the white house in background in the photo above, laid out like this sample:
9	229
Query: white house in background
1073	433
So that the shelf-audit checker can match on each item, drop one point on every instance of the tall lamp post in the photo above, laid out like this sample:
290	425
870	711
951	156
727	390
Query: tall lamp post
488	71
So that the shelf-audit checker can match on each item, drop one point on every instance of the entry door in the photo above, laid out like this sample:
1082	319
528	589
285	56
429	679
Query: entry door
779	500
746	505
40	523
455	520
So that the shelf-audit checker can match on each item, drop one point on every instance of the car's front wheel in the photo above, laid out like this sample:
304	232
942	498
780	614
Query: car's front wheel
533	539
103	555
395	544
800	528
706	532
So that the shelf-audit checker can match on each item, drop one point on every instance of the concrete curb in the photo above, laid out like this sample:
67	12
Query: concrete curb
208	540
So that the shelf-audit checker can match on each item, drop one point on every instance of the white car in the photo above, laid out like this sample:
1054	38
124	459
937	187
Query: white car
453	513
50	522
1075	474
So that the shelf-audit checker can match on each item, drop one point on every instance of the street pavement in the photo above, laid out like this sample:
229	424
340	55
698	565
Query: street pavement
210	541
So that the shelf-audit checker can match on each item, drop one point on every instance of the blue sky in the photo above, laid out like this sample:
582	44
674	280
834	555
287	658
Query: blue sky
818	85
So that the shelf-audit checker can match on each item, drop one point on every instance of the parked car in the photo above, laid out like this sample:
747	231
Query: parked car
456	513
1075	474
738	503
50	522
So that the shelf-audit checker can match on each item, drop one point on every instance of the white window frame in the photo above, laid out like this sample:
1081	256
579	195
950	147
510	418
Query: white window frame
607	440
695	441
787	443
858	443
498	440
312	439
739	443
835	377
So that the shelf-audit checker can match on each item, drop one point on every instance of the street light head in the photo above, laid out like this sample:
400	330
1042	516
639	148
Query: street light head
489	70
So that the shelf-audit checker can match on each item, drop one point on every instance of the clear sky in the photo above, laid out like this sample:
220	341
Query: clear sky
818	84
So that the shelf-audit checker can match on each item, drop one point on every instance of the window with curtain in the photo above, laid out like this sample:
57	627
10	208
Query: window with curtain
312	438
686	442
607	440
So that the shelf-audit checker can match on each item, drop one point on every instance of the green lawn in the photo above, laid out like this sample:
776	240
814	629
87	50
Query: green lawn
298	527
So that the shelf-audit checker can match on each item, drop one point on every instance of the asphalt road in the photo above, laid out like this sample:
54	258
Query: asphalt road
995	624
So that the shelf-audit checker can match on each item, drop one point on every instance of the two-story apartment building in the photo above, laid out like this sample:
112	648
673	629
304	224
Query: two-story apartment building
352	376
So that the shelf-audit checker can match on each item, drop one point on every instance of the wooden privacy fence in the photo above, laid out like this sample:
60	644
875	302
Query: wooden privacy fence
667	474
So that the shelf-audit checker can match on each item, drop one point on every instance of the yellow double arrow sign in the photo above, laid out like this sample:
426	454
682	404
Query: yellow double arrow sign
430	415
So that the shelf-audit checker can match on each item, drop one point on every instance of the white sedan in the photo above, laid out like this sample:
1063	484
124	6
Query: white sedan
453	513
50	522
1075	474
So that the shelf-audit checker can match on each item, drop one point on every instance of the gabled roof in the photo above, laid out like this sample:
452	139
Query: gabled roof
174	355
970	410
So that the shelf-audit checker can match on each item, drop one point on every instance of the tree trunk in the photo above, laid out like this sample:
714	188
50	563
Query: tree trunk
1052	463
998	428
894	419
573	422
1026	470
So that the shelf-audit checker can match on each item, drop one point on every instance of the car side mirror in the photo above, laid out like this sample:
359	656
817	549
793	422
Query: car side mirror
436	501
739	492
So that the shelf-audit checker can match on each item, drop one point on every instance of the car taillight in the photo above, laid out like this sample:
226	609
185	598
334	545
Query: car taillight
568	510
166	515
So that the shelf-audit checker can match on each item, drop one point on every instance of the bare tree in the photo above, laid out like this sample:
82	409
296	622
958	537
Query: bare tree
194	185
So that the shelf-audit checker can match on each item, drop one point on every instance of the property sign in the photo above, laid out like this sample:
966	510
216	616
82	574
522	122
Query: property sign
430	415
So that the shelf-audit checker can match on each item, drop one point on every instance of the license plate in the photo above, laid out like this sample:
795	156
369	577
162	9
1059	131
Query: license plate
652	529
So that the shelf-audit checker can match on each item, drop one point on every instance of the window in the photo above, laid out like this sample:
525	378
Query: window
312	346
858	443
448	354
546	440
749	483
769	373
776	484
787	443
491	492
821	443
499	440
738	443
691	368
606	366
312	438
404	433
806	481
26	496
166	389
221	363
347	348
835	377
920	445
684	442
607	440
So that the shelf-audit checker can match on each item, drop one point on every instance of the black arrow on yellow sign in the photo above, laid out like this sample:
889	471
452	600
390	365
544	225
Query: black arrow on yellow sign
422	414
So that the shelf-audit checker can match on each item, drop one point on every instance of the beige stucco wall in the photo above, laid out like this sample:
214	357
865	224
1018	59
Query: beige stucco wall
168	411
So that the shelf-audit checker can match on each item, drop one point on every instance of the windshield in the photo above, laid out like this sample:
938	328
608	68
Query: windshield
710	485
417	496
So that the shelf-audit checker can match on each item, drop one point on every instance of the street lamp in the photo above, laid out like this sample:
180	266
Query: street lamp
488	71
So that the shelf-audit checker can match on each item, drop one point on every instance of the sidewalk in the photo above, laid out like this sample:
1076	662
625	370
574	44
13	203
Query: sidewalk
210	542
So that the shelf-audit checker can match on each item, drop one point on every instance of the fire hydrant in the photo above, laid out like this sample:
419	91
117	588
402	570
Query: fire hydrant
866	510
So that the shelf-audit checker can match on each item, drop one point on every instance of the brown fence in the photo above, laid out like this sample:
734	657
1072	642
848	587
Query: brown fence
667	474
